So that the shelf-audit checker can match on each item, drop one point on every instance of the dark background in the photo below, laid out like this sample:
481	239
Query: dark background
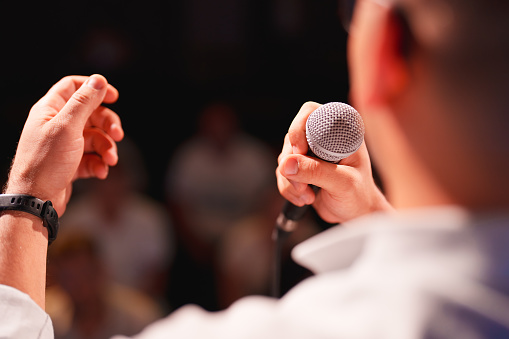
167	58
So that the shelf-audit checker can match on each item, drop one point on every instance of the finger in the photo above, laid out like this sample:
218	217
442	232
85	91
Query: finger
358	159
111	95
296	192
291	186
60	93
91	166
108	121
66	87
297	131
83	102
98	142
317	172
287	149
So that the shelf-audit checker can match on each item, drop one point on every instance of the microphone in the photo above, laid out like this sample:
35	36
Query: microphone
333	132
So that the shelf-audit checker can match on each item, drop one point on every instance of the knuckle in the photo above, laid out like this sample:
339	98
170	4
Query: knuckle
350	180
310	166
280	185
297	140
279	158
310	105
293	135
67	80
286	139
283	187
81	98
299	187
349	183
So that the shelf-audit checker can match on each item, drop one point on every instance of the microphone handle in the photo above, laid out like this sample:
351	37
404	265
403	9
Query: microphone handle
286	223
291	214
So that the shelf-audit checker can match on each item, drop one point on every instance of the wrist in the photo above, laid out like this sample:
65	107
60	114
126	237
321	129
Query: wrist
380	202
23	253
26	216
21	185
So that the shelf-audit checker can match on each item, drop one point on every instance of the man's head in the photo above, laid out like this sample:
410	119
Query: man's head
430	78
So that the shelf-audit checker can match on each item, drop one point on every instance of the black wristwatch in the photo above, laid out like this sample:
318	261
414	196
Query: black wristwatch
35	206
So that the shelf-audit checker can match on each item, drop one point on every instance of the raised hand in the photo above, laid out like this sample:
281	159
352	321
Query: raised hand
67	135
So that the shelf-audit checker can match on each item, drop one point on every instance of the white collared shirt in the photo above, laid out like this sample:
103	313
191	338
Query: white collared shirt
430	273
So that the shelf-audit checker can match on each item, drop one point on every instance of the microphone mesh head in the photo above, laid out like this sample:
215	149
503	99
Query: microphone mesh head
334	131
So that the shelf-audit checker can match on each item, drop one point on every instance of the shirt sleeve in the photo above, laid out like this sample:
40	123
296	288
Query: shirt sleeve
252	317
21	317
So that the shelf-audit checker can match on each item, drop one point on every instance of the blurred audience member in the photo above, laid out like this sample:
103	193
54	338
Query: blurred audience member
244	262
122	218
215	179
83	302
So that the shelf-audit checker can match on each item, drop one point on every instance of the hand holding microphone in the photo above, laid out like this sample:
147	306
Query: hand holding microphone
309	172
347	189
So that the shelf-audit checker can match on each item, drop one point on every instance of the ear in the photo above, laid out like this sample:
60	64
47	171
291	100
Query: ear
392	59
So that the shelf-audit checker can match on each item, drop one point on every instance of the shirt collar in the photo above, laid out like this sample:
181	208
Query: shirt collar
338	247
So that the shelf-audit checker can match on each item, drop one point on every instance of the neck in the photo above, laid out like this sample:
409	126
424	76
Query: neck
408	182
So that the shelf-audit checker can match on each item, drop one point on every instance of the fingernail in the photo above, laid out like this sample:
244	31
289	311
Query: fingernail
96	82
291	167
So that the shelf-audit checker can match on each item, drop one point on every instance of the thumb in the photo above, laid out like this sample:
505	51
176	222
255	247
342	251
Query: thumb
85	100
313	171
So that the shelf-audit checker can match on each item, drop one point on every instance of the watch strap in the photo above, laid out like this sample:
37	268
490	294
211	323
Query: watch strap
29	204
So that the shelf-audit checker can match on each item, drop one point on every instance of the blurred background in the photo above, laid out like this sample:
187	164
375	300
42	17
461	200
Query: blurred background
207	92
